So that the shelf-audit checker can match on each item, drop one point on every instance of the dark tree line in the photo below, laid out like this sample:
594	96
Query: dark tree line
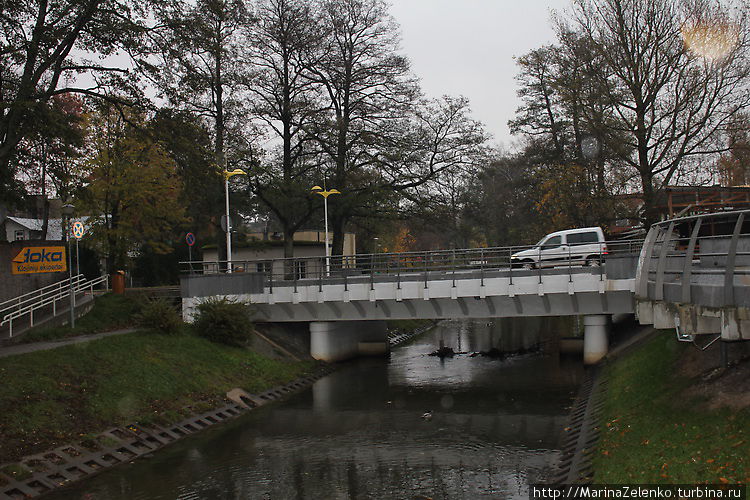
634	95
294	92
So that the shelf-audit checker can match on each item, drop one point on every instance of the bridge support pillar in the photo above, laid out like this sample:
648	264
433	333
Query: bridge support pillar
595	338
341	340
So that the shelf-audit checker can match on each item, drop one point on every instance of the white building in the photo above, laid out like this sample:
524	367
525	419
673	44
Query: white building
256	255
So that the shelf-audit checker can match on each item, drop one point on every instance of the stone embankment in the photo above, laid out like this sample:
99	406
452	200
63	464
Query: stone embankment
44	472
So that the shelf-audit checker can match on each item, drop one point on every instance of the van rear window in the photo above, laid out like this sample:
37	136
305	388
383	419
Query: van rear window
583	238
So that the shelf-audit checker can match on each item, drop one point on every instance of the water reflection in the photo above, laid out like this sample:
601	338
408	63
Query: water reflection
358	433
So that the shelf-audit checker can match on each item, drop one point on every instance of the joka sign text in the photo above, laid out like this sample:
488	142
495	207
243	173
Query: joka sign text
40	260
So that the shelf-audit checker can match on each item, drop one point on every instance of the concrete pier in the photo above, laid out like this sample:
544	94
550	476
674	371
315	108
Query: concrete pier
595	338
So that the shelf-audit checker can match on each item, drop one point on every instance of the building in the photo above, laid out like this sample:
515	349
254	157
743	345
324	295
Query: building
22	229
251	252
680	201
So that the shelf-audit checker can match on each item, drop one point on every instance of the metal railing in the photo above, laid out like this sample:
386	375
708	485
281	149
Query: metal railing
26	304
411	266
682	258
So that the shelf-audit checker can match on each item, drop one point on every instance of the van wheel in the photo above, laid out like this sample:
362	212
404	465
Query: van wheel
529	265
593	261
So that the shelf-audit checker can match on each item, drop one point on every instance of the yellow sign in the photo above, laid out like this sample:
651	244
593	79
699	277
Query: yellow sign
39	260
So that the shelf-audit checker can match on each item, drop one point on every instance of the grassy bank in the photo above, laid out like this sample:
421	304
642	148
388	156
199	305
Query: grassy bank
110	312
53	397
655	429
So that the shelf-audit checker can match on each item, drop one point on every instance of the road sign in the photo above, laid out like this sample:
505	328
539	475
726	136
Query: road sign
224	224
190	239
77	230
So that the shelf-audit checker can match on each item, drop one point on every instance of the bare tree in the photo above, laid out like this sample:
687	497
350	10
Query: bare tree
366	83
202	70
282	41
676	76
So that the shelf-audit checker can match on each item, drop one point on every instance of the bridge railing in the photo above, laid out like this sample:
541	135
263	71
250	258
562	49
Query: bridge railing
703	259
411	266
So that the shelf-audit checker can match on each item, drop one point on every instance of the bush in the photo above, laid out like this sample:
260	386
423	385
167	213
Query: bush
159	315
223	321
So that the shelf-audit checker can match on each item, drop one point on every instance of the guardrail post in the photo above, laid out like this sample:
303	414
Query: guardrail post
539	266
372	272
662	263
510	265
570	267
453	265
731	254
321	264
687	270
481	267
294	273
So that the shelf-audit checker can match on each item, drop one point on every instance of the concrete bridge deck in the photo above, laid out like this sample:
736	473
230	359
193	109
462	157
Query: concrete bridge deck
347	303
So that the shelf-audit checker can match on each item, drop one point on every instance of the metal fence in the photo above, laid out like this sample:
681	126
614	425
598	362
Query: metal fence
410	266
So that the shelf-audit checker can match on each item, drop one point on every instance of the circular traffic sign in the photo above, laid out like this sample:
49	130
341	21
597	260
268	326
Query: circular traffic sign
190	239
77	230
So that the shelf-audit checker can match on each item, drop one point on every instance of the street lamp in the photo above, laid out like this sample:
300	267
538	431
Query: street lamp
325	194
67	211
227	175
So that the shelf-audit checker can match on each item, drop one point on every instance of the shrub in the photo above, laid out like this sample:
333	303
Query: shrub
224	321
159	315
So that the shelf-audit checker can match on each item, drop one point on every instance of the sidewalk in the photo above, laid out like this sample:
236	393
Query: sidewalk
14	350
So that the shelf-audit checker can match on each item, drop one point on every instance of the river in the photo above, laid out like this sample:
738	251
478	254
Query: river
362	433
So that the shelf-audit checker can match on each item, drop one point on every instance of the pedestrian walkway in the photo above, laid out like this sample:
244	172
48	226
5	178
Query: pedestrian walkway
14	350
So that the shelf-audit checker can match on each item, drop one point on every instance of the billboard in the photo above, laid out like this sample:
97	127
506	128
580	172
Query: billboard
39	260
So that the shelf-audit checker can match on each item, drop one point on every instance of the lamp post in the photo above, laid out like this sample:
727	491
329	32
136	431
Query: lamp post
227	175
325	194
67	211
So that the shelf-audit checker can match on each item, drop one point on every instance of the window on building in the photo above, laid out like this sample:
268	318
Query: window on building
263	267
19	235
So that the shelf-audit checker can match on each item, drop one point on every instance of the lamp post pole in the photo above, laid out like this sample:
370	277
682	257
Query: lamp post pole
227	175
67	211
325	194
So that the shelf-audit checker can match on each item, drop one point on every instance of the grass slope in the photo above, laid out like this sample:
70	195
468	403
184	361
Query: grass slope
653	433
53	397
110	312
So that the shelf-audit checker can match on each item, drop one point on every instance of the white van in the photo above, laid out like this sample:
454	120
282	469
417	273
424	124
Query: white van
584	246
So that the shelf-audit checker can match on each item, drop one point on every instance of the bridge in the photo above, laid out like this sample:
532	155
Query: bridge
670	280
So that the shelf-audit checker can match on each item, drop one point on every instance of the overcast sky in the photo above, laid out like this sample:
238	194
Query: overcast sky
466	47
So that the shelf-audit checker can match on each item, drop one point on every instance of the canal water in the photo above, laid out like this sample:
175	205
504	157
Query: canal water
493	426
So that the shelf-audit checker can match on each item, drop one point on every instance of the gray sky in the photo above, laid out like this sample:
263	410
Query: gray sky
466	47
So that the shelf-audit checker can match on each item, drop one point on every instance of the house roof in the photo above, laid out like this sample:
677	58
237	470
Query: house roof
54	227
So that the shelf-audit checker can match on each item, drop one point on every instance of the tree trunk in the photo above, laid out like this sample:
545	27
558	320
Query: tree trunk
650	215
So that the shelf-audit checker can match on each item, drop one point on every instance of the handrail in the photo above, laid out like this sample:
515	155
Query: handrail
35	294
50	297
422	264
677	257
